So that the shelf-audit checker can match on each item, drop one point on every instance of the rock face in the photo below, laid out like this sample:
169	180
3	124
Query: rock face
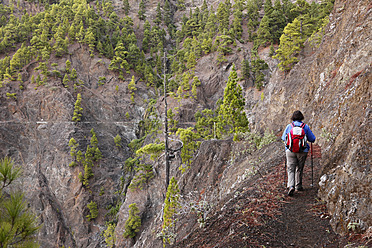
332	88
217	171
36	134
333	92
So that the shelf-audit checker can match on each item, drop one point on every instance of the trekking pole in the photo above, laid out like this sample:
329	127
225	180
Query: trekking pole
285	170
312	165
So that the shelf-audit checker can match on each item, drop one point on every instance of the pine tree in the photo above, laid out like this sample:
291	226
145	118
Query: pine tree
302	10
107	8
301	7
232	118
93	210
72	32
181	5
15	62
132	88
277	21
223	17
245	69
191	60
290	45
158	17
252	12
81	33
146	42
264	31
117	141
109	50
172	122
287	6
90	39
206	45
194	85
73	145
73	74
211	26
142	11
126	6
204	7
65	80
257	66
119	61
206	122
109	235
167	14
59	45
326	8
133	223
18	225
190	145
79	156
77	109
68	66
100	48
268	7
237	23
171	206
93	149
88	163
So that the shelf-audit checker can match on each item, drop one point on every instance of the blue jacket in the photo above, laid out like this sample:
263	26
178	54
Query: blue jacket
309	135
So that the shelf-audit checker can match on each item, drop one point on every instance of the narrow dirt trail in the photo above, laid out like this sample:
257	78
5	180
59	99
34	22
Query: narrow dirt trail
303	220
262	215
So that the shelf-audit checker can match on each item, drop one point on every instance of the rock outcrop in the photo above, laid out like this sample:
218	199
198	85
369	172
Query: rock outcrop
333	89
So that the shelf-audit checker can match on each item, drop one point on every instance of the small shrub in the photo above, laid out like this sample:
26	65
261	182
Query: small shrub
154	150
171	206
133	222
143	175
102	191
11	95
109	234
93	211
117	141
102	80
77	110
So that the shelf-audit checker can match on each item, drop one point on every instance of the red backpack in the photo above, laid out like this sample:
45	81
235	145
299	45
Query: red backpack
296	138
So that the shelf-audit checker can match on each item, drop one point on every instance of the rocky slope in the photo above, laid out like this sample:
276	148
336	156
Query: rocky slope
331	85
333	89
35	131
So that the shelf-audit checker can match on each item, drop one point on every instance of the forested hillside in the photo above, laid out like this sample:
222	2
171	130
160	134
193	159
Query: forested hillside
87	88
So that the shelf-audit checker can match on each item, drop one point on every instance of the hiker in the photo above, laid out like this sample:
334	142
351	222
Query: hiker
296	136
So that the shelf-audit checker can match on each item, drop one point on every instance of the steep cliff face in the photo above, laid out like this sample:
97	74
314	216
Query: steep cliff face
331	86
333	89
35	131
219	169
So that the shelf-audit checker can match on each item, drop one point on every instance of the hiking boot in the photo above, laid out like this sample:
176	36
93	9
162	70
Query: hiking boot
300	188
291	191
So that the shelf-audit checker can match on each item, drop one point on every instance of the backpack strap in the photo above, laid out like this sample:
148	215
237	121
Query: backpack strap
301	126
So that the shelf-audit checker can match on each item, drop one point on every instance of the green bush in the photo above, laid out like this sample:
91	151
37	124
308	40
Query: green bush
171	206
133	222
18	225
93	210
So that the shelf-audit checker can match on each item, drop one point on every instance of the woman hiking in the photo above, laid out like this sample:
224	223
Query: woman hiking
295	137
